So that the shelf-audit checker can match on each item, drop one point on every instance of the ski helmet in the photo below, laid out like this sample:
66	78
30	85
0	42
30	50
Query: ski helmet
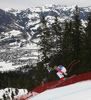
55	67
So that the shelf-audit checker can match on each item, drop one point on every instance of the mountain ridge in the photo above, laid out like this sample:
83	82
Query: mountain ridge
18	31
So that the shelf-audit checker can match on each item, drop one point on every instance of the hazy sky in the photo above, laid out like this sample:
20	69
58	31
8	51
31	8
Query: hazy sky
23	4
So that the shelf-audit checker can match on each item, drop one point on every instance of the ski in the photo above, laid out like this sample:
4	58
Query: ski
59	83
62	81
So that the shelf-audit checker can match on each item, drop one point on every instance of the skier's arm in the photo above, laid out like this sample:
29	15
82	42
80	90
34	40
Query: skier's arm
59	70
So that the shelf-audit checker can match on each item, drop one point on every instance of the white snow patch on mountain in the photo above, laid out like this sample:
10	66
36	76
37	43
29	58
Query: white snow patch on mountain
13	32
8	93
6	66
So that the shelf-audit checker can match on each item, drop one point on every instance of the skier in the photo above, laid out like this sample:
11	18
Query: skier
61	72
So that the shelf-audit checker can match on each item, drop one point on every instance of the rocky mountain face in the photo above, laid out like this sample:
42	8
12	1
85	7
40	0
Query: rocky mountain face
18	32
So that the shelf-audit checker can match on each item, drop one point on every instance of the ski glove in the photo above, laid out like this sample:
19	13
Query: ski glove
65	74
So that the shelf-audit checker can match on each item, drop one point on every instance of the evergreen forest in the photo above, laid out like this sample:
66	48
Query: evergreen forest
60	44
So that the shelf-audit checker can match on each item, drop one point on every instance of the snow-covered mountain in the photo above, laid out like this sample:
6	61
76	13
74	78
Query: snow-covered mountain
18	32
29	19
16	50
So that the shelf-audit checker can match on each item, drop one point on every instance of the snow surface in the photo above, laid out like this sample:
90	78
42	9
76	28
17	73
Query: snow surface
8	92
77	91
6	66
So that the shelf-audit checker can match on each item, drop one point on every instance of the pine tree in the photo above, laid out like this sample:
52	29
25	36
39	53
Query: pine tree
76	33
46	46
57	33
16	91
40	74
57	43
76	38
12	95
67	43
45	41
86	47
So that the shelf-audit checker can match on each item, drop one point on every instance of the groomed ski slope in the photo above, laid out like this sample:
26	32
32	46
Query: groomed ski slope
77	91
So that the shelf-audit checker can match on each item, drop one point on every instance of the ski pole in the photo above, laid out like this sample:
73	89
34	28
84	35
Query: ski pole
70	64
73	65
